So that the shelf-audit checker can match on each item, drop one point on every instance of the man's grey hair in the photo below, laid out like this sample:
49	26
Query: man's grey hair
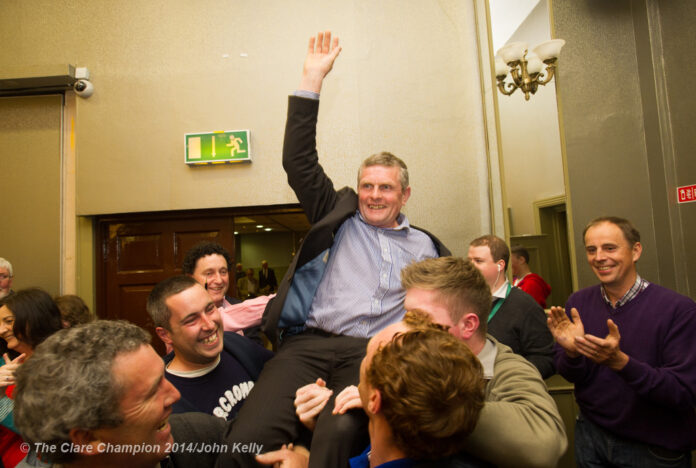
6	264
157	300
68	384
389	160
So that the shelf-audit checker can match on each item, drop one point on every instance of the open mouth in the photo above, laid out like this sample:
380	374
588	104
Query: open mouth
163	425
211	339
377	207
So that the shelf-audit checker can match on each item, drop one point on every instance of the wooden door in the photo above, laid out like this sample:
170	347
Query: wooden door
138	251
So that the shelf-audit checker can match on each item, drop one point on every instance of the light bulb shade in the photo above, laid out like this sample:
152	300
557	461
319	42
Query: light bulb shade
549	49
534	63
512	52
501	69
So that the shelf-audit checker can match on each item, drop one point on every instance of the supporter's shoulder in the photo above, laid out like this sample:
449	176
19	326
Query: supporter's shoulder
442	250
236	344
506	361
522	299
666	293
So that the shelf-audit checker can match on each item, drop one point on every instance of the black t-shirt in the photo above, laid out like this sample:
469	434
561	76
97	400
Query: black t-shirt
221	392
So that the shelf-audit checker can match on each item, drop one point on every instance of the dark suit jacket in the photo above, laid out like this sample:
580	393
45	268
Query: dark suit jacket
269	280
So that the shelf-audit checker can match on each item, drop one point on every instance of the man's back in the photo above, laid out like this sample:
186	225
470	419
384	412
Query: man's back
519	424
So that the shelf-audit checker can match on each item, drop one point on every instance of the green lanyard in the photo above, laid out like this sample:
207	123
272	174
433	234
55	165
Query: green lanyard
499	302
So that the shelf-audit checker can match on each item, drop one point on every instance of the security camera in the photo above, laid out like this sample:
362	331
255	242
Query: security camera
83	88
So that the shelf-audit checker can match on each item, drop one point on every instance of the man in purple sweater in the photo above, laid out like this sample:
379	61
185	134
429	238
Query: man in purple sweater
636	389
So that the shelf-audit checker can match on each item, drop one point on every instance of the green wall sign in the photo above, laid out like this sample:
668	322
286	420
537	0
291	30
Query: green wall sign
218	147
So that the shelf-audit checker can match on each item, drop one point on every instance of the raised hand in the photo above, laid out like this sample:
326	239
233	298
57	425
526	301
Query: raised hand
565	330
7	371
321	54
310	400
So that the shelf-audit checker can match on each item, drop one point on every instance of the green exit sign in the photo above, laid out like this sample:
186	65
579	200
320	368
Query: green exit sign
218	147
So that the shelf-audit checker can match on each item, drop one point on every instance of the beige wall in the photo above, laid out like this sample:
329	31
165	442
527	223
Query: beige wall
628	117
162	69
30	141
530	136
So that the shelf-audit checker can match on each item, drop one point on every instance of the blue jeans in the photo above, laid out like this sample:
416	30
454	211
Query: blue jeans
595	447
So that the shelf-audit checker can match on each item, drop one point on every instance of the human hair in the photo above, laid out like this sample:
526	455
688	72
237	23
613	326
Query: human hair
497	246
6	264
203	249
432	391
389	160
460	286
68	384
157	300
520	252
629	231
36	316
73	309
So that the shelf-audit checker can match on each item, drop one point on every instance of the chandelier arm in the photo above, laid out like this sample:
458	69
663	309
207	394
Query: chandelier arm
511	87
550	71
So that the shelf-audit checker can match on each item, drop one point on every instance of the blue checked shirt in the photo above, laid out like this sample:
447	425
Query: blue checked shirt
361	291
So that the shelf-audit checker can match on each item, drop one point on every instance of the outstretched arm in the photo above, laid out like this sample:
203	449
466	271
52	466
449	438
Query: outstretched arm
320	59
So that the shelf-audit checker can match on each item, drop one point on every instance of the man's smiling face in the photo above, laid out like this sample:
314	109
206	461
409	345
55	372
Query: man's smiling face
195	328
380	195
211	270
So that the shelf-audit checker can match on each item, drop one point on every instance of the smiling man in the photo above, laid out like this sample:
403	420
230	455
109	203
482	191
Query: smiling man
210	264
629	347
342	286
515	318
95	395
213	370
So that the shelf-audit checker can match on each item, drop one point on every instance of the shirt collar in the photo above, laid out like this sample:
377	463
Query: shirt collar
638	287
402	222
501	292
197	372
487	357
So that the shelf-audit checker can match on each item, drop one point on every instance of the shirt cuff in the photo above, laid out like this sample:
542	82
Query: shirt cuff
303	93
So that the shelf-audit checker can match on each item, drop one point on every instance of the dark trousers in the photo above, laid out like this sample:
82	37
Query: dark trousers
597	448
268	417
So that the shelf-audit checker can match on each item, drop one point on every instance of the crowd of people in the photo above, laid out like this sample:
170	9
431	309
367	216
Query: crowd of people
387	350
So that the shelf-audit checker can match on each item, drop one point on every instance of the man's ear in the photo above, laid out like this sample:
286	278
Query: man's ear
84	442
407	194
374	402
637	250
468	325
163	333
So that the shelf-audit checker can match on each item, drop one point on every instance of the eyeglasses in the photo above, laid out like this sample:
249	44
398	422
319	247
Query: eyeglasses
3	276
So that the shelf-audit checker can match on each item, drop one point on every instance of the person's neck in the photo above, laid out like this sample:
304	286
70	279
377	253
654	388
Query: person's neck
476	342
183	365
616	291
383	449
499	282
522	271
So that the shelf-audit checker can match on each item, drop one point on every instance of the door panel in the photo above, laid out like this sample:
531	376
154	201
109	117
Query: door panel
139	252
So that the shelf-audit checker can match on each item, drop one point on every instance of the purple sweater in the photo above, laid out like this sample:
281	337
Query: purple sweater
653	398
